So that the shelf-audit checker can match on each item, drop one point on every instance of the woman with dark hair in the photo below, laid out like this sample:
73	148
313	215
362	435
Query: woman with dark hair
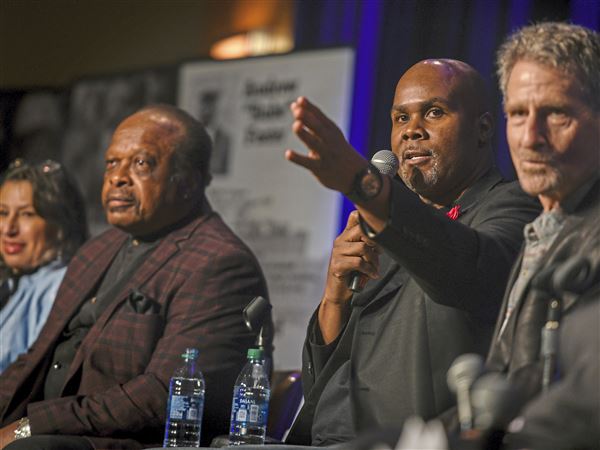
42	224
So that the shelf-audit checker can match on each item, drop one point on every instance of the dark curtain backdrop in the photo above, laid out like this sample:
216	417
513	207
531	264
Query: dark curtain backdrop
391	35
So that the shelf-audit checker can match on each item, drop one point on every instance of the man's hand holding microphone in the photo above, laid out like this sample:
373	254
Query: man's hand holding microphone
353	254
335	163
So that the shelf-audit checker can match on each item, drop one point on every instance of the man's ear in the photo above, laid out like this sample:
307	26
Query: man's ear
485	127
185	186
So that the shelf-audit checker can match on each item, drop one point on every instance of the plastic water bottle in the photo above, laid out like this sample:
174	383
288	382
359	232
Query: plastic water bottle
186	404
250	406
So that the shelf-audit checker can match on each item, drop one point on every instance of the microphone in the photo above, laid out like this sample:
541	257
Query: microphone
254	315
495	401
387	163
495	404
462	373
574	275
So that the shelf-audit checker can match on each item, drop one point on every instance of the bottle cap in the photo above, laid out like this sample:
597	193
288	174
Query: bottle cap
190	354
255	353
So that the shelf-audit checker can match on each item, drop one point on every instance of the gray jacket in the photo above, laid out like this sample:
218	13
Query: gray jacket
516	351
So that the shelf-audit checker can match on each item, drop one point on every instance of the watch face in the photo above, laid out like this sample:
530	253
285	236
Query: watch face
367	185
371	183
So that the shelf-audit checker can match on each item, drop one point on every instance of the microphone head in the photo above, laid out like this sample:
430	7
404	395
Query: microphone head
255	313
574	275
542	281
464	371
386	162
495	401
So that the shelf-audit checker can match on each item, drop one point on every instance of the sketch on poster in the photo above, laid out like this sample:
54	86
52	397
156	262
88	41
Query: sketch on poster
37	125
288	219
210	113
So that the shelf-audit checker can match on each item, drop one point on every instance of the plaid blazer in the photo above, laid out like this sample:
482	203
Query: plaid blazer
198	279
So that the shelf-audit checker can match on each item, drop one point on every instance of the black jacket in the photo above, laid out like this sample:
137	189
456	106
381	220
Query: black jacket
438	297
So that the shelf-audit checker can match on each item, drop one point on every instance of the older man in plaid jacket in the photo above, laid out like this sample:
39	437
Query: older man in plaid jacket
169	275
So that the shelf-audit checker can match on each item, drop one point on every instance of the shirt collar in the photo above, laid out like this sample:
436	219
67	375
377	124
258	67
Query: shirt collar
545	225
470	196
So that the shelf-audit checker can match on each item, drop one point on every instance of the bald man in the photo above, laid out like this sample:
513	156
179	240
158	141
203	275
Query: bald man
436	245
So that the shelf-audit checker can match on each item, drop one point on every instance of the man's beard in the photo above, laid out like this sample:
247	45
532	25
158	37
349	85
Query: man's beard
421	181
541	182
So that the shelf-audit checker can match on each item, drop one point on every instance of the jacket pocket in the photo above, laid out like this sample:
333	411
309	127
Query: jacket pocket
125	346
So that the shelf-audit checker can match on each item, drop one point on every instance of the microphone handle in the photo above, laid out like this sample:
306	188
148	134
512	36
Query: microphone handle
548	369
465	414
356	282
387	164
549	347
549	342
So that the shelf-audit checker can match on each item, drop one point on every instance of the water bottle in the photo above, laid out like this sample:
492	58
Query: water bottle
250	406
185	405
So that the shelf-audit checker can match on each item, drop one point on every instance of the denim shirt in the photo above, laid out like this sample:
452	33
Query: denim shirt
23	317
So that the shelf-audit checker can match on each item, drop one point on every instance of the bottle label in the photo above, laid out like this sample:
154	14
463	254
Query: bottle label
240	416
250	405
257	371
254	413
185	407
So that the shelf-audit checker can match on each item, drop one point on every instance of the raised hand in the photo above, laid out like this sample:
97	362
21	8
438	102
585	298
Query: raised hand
330	158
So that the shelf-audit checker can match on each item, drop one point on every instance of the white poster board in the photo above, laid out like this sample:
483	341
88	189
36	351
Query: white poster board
286	217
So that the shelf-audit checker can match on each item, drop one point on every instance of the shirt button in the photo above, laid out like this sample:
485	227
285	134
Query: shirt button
57	365
135	242
93	300
309	368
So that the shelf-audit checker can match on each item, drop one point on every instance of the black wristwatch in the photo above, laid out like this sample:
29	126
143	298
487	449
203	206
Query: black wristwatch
367	185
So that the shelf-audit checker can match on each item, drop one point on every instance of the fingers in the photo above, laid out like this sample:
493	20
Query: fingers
311	117
309	162
349	256
306	135
331	159
360	249
352	233
358	234
353	220
353	251
310	114
342	267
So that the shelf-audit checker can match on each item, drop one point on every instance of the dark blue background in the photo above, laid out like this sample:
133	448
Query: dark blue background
391	35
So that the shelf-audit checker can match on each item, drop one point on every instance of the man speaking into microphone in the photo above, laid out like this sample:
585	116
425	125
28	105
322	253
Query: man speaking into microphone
436	248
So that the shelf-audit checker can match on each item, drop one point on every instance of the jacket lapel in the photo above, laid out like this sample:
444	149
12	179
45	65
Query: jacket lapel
96	265
564	239
378	290
156	261
87	267
503	338
503	334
